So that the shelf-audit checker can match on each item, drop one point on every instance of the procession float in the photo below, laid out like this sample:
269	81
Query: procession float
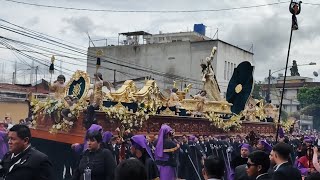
63	118
75	105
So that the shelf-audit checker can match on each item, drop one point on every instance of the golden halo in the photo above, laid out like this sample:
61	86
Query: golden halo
238	88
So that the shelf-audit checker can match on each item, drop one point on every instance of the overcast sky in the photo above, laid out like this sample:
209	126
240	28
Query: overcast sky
267	28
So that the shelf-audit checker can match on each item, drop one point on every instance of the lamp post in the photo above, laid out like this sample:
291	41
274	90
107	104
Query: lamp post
270	75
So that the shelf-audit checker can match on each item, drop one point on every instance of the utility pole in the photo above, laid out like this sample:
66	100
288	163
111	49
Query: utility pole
15	73
60	67
31	72
36	78
269	84
114	79
13	78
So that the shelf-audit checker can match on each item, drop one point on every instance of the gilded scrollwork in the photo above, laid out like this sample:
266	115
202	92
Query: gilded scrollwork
79	82
125	93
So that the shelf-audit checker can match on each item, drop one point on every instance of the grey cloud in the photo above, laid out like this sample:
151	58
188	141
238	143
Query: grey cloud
32	21
80	24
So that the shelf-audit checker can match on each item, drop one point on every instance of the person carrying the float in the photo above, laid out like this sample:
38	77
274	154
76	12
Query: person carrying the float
191	160
243	158
79	148
165	153
96	163
142	151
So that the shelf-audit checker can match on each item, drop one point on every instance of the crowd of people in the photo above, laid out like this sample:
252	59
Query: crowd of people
104	156
169	157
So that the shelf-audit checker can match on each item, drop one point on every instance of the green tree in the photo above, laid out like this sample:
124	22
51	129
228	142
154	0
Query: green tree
256	92
308	96
310	101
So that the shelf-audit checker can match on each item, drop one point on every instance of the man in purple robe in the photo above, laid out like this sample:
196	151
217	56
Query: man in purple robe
3	143
165	153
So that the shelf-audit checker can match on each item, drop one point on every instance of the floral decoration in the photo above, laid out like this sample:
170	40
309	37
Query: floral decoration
287	125
127	118
225	125
53	108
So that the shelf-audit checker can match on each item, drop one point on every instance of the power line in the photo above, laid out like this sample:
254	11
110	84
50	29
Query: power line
146	11
314	4
41	37
35	35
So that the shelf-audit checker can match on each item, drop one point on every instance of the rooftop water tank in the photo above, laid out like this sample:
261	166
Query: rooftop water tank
200	28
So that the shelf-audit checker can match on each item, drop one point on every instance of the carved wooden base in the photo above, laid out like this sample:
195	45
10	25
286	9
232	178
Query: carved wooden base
181	125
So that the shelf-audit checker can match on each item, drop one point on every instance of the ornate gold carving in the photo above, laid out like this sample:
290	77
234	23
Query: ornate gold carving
76	90
187	89
167	112
210	106
238	88
119	106
151	96
99	53
125	93
75	77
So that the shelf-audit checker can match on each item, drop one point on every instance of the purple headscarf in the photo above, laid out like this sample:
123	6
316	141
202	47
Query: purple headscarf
84	146
245	146
307	139
107	137
164	130
192	138
266	145
93	128
140	141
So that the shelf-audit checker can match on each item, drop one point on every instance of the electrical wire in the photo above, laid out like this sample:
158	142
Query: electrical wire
93	55
147	11
35	35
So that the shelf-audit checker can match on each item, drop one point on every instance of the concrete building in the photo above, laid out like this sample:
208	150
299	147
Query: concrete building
306	122
293	84
168	57
175	37
13	99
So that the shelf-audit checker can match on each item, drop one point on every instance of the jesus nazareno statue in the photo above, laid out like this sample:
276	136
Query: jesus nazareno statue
294	69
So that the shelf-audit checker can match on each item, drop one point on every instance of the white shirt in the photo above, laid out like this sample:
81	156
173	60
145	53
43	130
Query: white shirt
261	175
17	162
279	165
214	179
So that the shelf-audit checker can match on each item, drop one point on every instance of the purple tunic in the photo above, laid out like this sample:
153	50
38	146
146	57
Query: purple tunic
3	144
165	164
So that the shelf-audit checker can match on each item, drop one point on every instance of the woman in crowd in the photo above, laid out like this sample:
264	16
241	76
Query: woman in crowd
305	164
96	162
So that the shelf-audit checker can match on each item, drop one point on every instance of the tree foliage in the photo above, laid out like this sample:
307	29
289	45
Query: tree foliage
256	92
312	110
309	99
308	96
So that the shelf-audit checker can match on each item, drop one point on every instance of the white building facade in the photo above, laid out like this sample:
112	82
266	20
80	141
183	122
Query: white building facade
172	60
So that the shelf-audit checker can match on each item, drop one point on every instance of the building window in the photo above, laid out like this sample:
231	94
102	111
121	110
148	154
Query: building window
228	73
231	70
225	70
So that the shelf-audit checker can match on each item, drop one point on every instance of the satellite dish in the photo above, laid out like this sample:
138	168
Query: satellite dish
315	73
